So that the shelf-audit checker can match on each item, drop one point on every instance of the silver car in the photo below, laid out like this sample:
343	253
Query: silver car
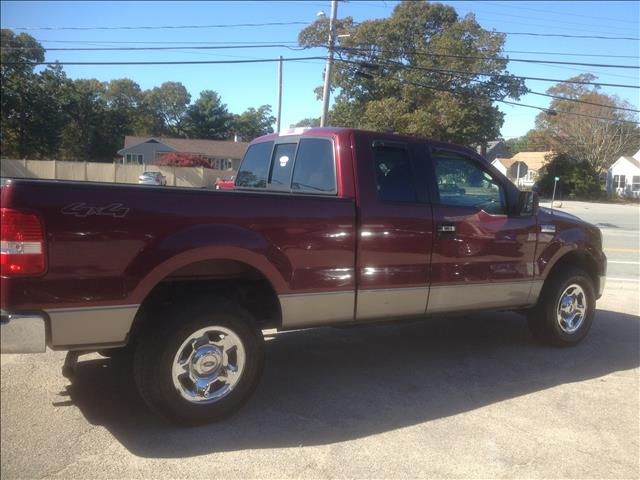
152	178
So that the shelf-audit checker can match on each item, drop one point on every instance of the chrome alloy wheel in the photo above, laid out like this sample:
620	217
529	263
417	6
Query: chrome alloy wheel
208	364
572	308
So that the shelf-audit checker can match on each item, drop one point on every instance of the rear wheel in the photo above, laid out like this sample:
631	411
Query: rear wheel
565	310
202	364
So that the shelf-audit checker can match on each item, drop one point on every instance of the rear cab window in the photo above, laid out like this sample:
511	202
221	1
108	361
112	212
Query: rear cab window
301	165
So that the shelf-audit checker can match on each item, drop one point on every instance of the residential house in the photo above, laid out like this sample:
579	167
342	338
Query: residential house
623	177
494	149
523	168
223	155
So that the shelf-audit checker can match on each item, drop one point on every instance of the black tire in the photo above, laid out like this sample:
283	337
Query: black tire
159	343
543	320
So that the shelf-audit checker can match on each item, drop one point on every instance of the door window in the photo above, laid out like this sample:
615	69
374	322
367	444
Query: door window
463	183
255	166
314	170
394	179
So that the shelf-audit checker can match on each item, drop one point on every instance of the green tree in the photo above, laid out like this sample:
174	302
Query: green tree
578	178
253	123
166	108
307	122
392	79
597	134
208	118
20	92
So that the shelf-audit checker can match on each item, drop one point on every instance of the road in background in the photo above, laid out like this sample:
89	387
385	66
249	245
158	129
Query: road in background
620	226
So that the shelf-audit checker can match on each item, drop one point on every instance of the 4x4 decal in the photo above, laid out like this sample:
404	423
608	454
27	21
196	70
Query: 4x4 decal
81	209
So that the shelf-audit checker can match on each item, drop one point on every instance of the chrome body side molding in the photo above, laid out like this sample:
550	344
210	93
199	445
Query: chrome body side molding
314	309
396	302
80	327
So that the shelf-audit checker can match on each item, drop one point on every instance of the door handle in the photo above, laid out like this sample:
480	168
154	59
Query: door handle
446	231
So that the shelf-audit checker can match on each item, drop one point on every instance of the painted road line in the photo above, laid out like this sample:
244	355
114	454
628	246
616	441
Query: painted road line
623	279
622	262
622	250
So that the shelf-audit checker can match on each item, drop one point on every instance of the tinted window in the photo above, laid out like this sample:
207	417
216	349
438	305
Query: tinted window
255	166
461	182
314	170
282	164
393	175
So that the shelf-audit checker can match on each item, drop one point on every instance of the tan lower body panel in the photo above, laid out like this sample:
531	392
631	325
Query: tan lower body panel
311	309
452	298
77	327
395	302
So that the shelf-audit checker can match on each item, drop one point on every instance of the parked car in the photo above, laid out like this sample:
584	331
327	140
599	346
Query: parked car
152	178
326	226
225	183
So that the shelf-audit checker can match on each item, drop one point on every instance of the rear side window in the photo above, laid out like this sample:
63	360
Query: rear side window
255	166
394	178
314	170
282	165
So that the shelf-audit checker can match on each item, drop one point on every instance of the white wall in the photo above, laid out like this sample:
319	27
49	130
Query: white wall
626	168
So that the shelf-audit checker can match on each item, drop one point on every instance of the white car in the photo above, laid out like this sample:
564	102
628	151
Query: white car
152	178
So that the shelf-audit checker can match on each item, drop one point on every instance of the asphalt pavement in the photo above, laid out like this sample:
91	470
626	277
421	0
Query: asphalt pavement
471	397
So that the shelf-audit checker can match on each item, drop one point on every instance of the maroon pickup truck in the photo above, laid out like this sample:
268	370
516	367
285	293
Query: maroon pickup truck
323	227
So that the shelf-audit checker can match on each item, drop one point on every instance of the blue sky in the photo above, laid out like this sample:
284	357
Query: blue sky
251	85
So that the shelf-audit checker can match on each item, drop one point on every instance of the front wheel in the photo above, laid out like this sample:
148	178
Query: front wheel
565	309
200	365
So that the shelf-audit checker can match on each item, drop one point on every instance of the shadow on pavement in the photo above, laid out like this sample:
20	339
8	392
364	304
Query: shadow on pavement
331	385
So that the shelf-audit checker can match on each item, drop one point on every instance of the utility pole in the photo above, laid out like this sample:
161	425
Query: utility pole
279	116
326	91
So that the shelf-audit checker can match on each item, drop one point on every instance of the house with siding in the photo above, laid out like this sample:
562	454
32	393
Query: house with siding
223	155
523	168
623	177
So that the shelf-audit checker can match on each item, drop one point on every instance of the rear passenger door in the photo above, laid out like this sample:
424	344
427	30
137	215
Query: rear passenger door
396	230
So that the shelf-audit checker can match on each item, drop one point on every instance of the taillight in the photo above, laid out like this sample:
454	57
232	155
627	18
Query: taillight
22	249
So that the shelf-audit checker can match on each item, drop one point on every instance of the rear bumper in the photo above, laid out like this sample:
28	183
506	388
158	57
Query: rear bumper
22	334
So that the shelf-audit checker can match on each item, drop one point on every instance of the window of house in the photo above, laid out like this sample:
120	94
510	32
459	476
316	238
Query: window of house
619	181
255	166
134	158
394	178
463	183
635	183
314	169
282	165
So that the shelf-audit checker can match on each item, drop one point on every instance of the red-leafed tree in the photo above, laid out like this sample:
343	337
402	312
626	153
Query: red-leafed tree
183	159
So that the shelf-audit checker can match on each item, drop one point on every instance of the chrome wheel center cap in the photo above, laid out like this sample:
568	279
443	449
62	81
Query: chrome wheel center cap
206	360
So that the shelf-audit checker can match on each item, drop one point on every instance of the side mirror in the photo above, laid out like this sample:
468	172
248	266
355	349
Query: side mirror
528	203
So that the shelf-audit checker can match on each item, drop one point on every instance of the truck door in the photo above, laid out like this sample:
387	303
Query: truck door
396	230
483	257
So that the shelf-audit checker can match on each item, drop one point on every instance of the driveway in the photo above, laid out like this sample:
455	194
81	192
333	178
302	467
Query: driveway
457	398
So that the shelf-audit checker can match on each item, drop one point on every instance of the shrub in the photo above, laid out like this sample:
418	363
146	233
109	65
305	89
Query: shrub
183	159
578	179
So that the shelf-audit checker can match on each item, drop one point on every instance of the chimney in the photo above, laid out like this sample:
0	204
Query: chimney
483	150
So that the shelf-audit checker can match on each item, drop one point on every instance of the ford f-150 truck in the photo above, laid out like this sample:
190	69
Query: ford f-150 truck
324	226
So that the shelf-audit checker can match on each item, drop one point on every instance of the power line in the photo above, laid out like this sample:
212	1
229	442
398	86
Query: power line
470	57
456	73
562	35
485	74
275	45
166	27
555	12
187	62
453	92
184	47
